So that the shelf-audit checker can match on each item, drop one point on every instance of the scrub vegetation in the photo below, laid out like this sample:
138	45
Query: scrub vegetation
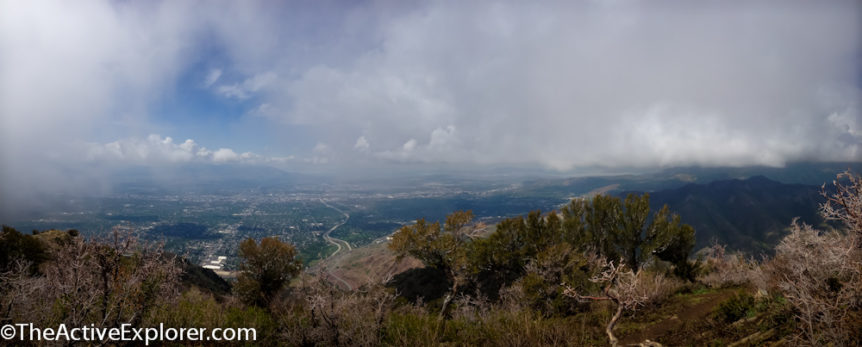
600	271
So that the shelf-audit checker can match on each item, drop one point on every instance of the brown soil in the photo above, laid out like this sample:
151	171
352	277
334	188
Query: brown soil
691	309
368	264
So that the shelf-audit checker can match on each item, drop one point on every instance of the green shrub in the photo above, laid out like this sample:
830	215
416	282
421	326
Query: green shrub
16	246
735	308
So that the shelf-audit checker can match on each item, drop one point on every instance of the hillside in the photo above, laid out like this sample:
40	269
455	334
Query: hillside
750	215
371	263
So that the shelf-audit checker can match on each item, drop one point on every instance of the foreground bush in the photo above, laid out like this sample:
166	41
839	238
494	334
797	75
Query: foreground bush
265	270
721	269
820	272
104	282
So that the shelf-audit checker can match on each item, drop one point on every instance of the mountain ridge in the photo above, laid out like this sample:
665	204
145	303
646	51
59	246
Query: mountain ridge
750	215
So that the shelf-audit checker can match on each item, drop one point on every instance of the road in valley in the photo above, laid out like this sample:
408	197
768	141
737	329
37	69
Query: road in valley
337	242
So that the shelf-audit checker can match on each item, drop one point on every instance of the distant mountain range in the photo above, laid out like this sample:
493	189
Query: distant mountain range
814	174
750	215
799	173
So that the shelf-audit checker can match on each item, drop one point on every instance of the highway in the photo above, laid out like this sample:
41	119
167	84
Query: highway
337	242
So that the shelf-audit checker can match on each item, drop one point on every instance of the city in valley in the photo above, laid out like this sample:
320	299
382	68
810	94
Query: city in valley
207	228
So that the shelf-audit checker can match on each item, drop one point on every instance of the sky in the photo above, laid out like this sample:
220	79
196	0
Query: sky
336	86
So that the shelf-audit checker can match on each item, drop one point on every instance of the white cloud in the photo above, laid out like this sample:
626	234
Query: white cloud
233	91
155	150
248	87
71	72
442	146
574	84
409	145
443	139
561	84
212	77
249	156
362	144
554	84
320	148
320	154
224	155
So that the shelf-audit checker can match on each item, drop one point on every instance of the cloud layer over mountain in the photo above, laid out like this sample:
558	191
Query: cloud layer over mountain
557	85
619	83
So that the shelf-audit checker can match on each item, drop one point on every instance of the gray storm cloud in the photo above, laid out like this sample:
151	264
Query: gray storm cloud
72	73
625	83
557	85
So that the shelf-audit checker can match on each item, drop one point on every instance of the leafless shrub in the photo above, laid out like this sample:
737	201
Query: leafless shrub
820	274
512	297
657	287
622	286
325	315
17	288
845	205
105	282
471	308
725	270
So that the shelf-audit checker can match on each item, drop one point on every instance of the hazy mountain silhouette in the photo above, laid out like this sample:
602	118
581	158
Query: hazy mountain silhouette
745	214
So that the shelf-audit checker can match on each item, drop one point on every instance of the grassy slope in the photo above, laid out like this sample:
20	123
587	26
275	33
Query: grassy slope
369	263
691	319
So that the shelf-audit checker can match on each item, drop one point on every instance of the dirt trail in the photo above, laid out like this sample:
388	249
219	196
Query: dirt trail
705	305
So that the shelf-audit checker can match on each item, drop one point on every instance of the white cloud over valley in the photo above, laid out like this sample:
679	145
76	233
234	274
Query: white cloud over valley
333	85
157	150
603	84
